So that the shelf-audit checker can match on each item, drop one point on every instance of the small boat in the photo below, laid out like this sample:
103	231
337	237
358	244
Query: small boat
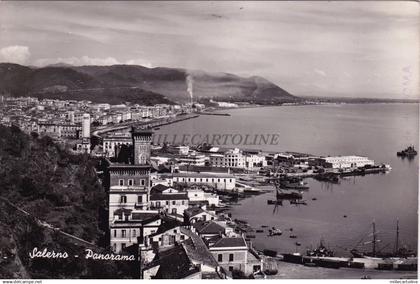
314	198
264	226
250	236
259	231
298	244
344	216
275	232
298	202
408	152
320	251
293	236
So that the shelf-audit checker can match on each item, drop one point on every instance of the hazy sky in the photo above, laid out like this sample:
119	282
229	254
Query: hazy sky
363	49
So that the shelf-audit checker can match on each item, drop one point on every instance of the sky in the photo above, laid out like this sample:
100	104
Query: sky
320	48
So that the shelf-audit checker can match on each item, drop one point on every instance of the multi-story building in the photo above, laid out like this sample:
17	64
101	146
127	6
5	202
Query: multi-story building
230	159
132	227
342	162
217	180
192	158
233	253
111	143
169	201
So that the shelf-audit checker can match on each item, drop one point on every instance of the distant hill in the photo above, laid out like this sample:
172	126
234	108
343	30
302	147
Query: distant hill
138	84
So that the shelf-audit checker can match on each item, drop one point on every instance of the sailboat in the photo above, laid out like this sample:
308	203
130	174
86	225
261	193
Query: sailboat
399	252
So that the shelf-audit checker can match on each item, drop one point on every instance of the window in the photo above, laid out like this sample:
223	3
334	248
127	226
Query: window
230	268
115	233
230	180
134	233
139	199
123	246
123	199
142	182
175	231
182	202
182	237
173	202
121	182
123	233
218	180
130	182
220	257
114	246
231	257
167	202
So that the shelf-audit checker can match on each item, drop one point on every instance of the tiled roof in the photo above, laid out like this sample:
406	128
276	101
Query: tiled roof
145	217
158	188
209	227
172	196
197	251
230	242
174	264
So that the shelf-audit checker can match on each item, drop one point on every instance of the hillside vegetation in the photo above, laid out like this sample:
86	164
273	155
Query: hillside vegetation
60	189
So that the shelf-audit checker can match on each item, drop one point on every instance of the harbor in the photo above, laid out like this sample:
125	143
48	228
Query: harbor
338	207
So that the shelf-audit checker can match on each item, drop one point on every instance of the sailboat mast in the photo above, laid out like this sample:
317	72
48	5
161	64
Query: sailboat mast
374	239
398	236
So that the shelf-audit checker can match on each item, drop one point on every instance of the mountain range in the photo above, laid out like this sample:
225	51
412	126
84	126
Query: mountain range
137	84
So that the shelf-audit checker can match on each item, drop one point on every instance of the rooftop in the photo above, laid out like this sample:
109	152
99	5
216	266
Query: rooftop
175	196
208	227
238	242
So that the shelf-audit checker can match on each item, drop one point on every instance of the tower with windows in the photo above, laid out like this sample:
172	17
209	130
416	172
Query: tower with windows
129	190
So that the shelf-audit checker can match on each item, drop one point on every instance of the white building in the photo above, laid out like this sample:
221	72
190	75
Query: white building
198	195
216	180
342	162
230	159
132	227
193	159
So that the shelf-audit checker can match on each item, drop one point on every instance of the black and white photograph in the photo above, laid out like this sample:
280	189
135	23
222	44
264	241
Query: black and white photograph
217	140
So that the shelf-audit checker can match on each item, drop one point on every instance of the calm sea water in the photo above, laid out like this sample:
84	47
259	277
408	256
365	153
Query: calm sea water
374	130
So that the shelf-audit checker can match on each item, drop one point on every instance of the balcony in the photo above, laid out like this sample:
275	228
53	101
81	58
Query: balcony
140	205
136	188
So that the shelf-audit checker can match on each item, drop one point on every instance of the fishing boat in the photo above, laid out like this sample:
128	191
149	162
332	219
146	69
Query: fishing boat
407	152
320	251
288	195
274	232
292	183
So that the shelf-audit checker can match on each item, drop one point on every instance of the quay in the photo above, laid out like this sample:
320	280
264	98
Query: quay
158	122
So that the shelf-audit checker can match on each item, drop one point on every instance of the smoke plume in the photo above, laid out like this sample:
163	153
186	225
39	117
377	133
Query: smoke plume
190	82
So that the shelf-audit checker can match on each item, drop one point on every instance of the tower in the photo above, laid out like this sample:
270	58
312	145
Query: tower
141	144
86	126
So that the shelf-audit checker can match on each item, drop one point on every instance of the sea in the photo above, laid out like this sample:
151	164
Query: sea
341	214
